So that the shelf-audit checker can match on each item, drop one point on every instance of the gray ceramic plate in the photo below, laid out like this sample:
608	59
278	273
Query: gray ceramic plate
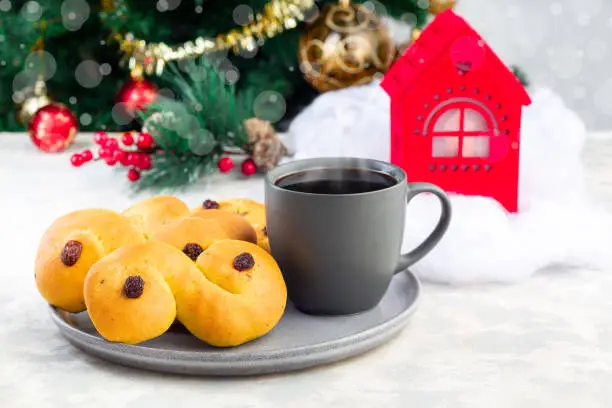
298	341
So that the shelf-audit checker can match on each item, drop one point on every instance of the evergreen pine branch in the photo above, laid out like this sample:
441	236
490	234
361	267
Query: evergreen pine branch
172	173
520	75
195	130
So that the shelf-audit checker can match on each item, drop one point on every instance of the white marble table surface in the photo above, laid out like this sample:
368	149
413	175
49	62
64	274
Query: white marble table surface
543	342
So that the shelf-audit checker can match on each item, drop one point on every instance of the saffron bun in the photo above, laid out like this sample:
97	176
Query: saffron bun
71	245
252	211
150	214
138	271
262	238
235	225
192	235
231	294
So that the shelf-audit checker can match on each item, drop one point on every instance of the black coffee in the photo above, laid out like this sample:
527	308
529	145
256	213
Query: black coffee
336	181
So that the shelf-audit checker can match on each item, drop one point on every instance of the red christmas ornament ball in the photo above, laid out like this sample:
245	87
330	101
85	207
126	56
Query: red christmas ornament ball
135	94
248	167
53	127
225	165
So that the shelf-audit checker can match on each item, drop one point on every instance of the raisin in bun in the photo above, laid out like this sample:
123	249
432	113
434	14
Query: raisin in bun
71	245
233	293
235	225
192	235
152	213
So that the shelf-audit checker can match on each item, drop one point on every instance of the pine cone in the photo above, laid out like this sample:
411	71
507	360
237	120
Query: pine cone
264	145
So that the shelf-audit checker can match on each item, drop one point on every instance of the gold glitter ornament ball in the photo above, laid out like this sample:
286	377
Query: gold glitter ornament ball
33	103
30	106
438	6
346	45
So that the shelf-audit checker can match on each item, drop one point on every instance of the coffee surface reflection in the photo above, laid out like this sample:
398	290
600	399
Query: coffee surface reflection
336	181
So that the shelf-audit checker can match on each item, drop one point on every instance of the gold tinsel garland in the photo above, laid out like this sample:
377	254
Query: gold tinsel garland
151	57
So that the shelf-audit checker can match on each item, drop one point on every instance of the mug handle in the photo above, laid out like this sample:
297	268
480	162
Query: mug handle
430	242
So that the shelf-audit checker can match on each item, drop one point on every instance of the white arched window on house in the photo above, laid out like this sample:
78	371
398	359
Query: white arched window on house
460	130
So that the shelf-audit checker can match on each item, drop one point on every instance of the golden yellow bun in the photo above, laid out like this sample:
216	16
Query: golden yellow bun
152	213
252	211
249	210
249	301
70	246
234	225
192	235
232	294
262	238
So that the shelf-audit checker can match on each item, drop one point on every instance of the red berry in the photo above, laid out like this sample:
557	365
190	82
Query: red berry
225	164
131	159
76	160
110	160
100	137
145	141
119	155
133	175
111	143
122	157
86	155
127	139
144	161
248	167
103	152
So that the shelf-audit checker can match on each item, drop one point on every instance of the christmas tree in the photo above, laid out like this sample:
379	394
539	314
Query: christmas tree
81	48
203	79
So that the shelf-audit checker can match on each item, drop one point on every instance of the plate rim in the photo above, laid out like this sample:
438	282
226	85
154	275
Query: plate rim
101	345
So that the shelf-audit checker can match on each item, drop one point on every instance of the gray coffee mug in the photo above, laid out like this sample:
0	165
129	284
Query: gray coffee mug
339	252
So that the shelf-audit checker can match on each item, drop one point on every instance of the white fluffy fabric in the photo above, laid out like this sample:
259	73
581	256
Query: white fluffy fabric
556	224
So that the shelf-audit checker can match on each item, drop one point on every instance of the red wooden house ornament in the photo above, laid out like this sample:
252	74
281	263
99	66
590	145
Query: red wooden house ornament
456	113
